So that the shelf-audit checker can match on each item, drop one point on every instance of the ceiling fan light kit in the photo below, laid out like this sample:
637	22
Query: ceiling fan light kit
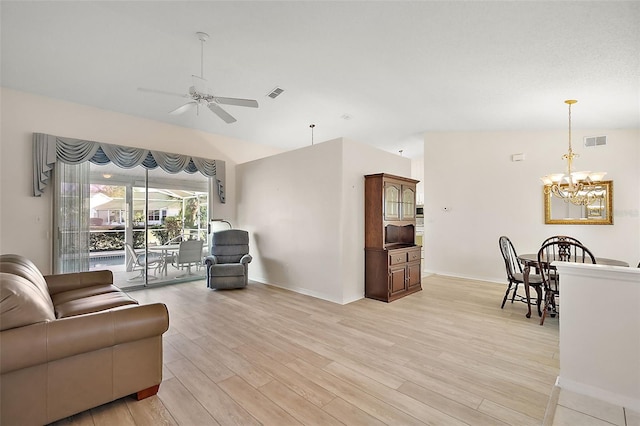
200	95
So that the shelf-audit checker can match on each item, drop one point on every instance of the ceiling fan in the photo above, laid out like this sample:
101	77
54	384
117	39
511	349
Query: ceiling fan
201	96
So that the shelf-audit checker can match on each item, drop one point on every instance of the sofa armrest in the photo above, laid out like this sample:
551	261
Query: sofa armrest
49	341
59	283
246	259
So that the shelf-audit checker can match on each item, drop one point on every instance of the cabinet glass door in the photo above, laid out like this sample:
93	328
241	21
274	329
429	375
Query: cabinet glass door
391	201
408	203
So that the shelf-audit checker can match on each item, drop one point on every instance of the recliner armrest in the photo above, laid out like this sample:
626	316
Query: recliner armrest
246	259
59	283
49	341
210	260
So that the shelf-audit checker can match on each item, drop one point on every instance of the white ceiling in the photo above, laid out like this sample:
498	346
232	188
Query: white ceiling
398	69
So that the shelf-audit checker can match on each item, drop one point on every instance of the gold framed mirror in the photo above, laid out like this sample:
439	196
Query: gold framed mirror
559	211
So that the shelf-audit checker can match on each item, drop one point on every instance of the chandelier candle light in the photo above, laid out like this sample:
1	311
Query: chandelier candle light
574	187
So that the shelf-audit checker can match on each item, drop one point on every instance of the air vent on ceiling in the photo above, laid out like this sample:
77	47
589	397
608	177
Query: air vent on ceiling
592	141
275	93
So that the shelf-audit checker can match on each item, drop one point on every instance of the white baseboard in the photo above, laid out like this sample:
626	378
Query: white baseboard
552	404
304	291
500	281
601	394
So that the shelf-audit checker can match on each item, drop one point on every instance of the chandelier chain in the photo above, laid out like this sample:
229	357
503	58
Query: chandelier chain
570	150
570	155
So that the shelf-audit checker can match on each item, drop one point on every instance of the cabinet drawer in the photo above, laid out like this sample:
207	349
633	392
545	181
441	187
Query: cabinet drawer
414	255
397	258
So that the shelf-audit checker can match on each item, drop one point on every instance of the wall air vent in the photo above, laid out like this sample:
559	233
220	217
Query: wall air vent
592	141
275	93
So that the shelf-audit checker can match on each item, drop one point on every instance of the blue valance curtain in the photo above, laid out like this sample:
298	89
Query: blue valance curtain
47	149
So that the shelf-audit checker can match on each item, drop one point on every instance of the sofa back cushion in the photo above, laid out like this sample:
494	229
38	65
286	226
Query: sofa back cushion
23	267
21	303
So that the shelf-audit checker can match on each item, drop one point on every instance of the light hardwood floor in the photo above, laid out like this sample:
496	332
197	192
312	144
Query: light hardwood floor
447	355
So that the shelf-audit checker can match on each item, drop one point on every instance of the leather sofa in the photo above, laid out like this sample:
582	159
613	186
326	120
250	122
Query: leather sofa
71	342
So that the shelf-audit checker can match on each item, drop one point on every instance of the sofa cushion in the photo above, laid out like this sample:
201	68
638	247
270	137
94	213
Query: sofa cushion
59	283
81	293
21	266
96	303
21	303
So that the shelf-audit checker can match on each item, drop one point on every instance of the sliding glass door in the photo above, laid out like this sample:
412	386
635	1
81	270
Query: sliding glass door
132	222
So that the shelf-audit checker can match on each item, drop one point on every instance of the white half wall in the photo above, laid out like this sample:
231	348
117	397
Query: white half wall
26	221
600	332
304	210
487	195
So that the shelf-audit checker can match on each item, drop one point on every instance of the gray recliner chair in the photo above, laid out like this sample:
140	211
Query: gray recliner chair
227	264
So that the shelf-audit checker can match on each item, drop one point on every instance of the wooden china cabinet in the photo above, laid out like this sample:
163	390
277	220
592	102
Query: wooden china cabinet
392	258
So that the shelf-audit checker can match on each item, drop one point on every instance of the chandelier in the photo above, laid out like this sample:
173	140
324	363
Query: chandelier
579	188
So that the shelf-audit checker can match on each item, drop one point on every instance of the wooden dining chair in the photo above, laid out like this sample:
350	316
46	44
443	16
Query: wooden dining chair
515	274
565	251
560	238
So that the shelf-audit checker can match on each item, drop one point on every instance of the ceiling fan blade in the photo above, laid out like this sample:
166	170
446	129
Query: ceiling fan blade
183	108
236	101
162	92
221	113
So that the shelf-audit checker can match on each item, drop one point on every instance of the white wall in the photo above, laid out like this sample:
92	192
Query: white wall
600	332
487	195
462	242
417	172
25	221
360	160
304	210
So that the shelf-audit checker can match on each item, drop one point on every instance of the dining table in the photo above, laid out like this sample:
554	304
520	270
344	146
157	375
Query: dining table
530	260
165	249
